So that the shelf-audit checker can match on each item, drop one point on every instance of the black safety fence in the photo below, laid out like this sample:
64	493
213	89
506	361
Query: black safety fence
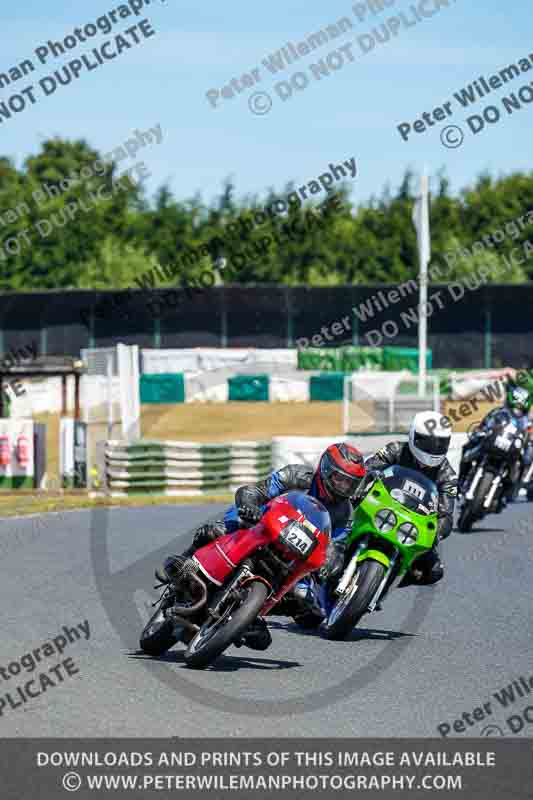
488	327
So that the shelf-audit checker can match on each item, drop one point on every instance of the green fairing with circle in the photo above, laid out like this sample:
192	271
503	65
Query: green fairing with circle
380	499
395	524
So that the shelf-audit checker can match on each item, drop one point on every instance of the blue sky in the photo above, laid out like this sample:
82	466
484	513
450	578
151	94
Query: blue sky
351	113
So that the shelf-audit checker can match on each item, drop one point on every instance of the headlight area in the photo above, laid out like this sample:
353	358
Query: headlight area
407	533
385	520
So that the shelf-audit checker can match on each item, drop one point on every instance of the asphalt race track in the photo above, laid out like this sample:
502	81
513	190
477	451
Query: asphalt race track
430	655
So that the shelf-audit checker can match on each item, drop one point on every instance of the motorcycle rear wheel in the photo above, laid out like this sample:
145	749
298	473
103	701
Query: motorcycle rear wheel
217	635
347	612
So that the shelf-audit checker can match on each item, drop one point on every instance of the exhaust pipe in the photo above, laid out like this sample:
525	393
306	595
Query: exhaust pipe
188	609
180	612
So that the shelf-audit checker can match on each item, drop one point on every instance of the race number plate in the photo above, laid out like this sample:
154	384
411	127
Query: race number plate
502	442
414	489
297	540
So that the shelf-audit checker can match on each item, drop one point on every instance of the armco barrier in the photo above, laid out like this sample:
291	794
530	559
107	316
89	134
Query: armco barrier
184	468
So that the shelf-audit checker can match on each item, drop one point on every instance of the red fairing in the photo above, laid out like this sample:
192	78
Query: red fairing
220	558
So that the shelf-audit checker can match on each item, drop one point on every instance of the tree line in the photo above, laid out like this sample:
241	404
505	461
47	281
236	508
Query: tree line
51	237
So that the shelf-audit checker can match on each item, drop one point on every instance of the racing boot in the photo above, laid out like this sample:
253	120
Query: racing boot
430	567
310	613
426	570
256	636
334	565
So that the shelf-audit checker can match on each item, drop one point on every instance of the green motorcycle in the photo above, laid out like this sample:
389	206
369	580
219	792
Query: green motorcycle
394	524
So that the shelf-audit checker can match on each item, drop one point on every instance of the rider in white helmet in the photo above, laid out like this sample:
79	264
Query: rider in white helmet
429	440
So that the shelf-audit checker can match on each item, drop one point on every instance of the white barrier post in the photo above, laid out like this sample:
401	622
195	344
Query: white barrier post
130	404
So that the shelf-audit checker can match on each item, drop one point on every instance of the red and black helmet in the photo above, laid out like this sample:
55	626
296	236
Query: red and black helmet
340	470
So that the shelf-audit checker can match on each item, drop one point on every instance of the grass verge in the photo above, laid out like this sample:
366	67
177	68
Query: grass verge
24	505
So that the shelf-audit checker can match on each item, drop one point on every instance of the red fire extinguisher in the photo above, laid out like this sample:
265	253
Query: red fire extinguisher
5	451
22	450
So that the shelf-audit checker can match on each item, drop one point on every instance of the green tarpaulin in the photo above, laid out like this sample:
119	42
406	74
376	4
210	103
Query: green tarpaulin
249	388
163	388
398	358
327	387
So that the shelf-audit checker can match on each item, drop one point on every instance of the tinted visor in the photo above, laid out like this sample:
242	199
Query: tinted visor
338	481
343	485
432	445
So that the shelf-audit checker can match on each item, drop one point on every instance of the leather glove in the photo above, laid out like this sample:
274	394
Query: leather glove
206	534
371	476
250	513
375	474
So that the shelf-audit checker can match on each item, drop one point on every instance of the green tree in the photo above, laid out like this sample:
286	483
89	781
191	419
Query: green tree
55	234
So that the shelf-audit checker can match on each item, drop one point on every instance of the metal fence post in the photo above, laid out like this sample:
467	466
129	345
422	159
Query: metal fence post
290	326
355	322
488	337
223	320
91	329
44	341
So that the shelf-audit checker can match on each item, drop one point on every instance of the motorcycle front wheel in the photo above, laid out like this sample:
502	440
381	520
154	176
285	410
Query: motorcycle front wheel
349	609
218	634
158	635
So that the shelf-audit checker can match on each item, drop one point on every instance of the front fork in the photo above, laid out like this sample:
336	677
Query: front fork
349	574
243	574
527	470
492	491
528	476
350	570
328	596
474	483
384	585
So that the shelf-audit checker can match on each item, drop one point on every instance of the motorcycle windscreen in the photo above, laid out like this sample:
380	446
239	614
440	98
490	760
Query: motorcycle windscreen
311	508
505	438
412	489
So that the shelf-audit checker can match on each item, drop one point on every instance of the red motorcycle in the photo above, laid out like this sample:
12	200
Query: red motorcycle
220	591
